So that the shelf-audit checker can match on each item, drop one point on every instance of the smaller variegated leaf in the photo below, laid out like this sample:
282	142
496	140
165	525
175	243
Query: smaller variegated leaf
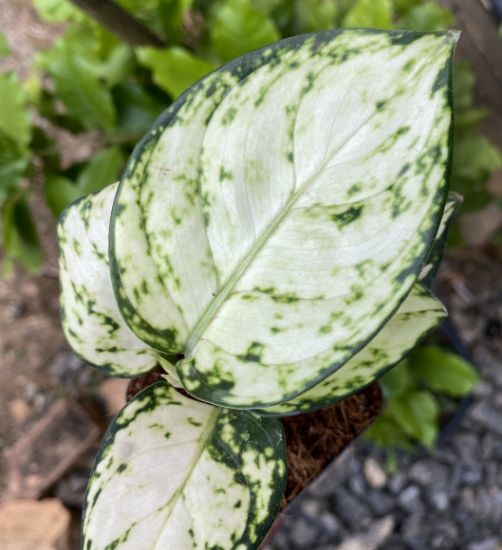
435	256
420	313
174	473
91	320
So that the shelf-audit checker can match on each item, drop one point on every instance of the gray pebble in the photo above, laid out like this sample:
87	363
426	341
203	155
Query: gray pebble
488	544
409	498
471	477
381	503
440	501
491	447
329	524
357	485
467	446
349	509
428	472
414	529
304	534
311	507
397	482
444	536
487	416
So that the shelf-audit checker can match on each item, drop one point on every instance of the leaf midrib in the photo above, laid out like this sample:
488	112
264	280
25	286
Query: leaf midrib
215	305
206	435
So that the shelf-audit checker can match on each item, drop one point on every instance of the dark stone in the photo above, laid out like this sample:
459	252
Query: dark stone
466	522
309	507
444	536
428	472
489	506
397	482
471	477
350	510
409	499
414	530
381	503
487	544
357	484
467	446
304	534
439	500
468	498
280	541
491	447
329	524
395	542
490	474
455	477
487	416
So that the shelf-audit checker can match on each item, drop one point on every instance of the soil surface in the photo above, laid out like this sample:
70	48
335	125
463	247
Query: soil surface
30	330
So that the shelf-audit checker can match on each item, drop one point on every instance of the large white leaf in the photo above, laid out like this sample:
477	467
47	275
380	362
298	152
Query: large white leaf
91	320
281	209
174	473
417	316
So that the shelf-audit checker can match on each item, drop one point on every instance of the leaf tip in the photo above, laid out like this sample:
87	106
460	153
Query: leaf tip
452	36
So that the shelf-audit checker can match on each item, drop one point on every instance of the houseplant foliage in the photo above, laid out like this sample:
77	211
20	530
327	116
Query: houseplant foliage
270	245
90	80
427	383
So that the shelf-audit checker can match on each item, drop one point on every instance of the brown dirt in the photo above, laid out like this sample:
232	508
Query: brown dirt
30	337
30	333
25	33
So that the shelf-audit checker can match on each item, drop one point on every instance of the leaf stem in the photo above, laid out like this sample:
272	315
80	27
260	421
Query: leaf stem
120	22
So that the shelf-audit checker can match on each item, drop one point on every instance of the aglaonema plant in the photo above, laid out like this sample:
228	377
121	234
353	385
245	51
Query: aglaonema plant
271	245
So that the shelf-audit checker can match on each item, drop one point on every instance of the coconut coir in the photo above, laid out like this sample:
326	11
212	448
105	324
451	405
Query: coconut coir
313	439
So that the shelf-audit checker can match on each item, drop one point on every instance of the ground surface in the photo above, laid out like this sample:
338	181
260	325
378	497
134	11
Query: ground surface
30	334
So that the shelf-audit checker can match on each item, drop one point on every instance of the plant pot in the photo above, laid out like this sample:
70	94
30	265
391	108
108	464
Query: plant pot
313	439
449	337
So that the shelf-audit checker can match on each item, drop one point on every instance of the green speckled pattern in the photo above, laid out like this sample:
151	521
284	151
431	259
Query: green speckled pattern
173	473
280	211
435	255
417	316
90	317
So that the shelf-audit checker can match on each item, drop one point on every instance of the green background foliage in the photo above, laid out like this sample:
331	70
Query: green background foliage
422	388
92	81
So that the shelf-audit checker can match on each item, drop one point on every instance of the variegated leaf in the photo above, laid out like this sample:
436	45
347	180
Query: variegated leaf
91	320
417	316
435	256
420	313
280	211
174	473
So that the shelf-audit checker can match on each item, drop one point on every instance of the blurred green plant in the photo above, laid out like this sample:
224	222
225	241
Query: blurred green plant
91	81
418	393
